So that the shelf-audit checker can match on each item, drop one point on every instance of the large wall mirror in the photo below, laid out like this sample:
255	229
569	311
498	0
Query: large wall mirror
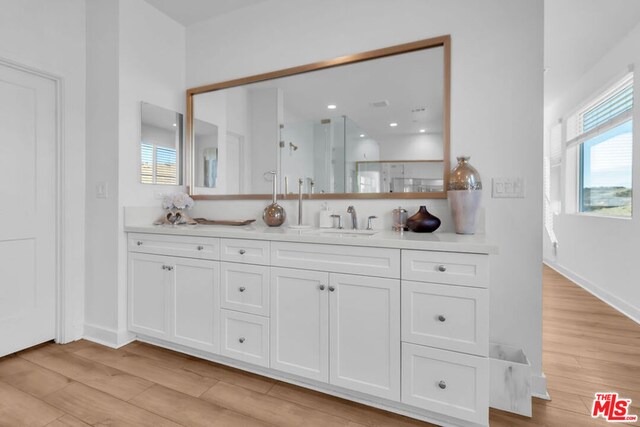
371	125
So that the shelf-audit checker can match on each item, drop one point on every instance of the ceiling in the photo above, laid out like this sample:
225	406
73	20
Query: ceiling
577	33
189	12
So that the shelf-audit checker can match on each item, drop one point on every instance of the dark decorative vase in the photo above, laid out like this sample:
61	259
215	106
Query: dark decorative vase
423	221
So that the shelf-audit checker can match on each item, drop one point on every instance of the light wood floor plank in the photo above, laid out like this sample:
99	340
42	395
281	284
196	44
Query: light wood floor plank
270	409
177	379
30	378
18	408
67	421
99	376
189	410
95	407
340	407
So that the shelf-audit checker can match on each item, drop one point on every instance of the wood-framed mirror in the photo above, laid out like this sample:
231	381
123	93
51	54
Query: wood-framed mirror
374	125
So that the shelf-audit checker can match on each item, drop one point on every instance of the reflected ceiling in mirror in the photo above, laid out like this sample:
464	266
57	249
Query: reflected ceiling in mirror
372	125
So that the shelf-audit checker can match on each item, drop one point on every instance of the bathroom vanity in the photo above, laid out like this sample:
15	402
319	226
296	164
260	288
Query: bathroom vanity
395	321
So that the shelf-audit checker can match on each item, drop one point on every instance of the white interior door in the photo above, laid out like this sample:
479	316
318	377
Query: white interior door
27	209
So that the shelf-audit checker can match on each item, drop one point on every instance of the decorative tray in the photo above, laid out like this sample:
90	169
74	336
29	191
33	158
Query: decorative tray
205	221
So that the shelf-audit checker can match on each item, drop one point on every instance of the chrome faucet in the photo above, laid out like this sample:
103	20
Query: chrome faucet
354	217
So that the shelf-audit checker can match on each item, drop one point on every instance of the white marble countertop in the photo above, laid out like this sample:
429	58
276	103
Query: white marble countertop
448	242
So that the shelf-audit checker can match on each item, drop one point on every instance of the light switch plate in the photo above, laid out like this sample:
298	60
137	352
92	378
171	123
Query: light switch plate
102	190
507	188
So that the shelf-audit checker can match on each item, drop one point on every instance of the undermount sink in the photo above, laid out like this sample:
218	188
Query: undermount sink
347	233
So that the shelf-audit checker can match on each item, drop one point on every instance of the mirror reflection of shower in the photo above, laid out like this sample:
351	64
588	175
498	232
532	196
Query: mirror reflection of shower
206	143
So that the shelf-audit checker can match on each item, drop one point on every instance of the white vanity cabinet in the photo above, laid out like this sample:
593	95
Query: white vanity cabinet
175	298
402	329
337	328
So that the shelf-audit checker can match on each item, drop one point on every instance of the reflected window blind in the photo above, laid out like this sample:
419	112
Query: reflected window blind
166	166
613	107
146	163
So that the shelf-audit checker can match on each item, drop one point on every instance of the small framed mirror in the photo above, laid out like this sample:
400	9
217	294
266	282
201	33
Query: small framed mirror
161	142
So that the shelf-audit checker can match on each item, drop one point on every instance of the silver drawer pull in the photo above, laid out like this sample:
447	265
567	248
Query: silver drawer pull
139	243
241	339
200	248
441	318
332	288
167	267
442	268
242	252
164	267
442	384
321	287
242	289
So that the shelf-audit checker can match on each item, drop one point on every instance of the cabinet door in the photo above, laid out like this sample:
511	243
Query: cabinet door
196	311
299	323
364	332
149	294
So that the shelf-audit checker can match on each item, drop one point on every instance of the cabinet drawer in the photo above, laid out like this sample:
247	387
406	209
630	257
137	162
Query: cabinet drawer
378	262
446	267
245	337
447	382
446	316
182	246
245	288
245	251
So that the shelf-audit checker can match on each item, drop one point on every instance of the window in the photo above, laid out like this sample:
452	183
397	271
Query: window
603	132
159	163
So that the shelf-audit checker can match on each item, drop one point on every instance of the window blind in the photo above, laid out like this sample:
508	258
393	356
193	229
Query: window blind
613	107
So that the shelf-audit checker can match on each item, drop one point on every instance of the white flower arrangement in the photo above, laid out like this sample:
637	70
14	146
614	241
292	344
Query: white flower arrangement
177	201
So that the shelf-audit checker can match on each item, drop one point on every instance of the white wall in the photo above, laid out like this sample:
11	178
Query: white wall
496	114
411	147
600	253
50	36
135	54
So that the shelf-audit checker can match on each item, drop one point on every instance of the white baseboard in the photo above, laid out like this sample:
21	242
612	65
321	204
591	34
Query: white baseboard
107	336
607	297
539	387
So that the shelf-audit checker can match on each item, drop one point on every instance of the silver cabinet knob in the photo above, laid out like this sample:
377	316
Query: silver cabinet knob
242	289
441	318
164	267
241	340
332	288
242	252
321	287
200	248
139	243
167	267
442	384
170	268
442	268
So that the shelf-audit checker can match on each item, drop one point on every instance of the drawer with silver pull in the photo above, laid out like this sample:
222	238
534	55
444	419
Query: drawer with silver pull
245	251
445	316
244	337
181	246
244	287
446	382
446	267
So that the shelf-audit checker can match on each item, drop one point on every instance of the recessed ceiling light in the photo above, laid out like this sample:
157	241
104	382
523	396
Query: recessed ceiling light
362	135
332	106
394	124
175	124
423	130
